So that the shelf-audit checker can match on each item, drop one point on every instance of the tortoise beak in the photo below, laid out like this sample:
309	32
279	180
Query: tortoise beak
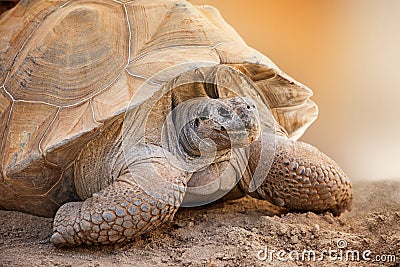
243	138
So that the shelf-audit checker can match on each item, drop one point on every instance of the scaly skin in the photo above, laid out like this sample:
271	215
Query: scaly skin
302	178
123	210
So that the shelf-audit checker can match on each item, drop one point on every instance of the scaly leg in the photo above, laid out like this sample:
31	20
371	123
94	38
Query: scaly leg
302	178
124	209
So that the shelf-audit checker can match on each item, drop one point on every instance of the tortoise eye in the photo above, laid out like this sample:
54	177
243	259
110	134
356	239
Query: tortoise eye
196	122
224	112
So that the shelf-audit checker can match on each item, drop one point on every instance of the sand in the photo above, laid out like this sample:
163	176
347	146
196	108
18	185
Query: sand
235	233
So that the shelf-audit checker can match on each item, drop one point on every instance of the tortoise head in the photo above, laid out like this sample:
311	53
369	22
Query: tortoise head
217	124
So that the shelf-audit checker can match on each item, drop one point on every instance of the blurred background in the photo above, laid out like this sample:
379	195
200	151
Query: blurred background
348	53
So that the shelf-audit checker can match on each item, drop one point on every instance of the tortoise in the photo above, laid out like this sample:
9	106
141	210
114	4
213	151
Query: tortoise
111	110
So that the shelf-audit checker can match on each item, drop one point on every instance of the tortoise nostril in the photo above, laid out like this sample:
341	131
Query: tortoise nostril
249	107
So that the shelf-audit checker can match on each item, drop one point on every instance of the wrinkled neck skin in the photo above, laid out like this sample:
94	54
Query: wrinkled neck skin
213	126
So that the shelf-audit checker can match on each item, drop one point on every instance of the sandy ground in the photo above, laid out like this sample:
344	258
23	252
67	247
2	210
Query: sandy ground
235	233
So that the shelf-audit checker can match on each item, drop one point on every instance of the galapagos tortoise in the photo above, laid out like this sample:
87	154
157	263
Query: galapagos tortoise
111	110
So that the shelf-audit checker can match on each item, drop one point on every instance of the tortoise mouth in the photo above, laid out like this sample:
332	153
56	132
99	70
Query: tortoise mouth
239	138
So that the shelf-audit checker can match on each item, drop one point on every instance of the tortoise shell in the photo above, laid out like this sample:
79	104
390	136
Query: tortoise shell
67	68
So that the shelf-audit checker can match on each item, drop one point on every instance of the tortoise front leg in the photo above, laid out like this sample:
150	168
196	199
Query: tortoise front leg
301	178
124	209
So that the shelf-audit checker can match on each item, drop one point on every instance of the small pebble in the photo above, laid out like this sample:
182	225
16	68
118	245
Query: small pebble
294	239
281	230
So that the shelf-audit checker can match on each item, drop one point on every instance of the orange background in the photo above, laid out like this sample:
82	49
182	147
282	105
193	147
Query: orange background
348	52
